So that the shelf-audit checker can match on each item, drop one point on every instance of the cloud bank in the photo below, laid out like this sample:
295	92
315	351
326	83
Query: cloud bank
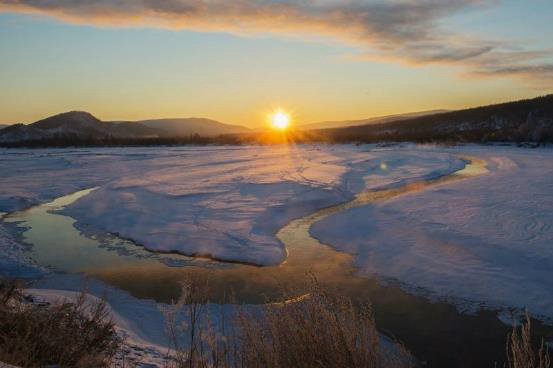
405	31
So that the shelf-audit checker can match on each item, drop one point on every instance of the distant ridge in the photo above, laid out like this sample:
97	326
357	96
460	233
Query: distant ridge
68	120
528	120
81	125
374	120
73	124
201	126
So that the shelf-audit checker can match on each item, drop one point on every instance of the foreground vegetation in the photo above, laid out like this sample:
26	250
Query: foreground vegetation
76	334
521	352
314	328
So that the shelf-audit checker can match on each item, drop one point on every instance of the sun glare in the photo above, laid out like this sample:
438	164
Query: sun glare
280	120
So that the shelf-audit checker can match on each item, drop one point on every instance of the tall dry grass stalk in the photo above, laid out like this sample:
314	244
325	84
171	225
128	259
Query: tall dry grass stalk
195	341
320	329
521	352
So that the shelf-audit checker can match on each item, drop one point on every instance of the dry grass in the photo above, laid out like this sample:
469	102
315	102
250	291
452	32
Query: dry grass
74	334
522	353
195	342
320	329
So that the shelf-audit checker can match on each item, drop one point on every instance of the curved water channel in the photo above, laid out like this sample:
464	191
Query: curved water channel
436	332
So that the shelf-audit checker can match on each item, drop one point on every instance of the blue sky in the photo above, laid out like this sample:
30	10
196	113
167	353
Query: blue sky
122	62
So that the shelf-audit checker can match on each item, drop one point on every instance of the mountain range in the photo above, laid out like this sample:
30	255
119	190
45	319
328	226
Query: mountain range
373	120
184	127
528	120
83	125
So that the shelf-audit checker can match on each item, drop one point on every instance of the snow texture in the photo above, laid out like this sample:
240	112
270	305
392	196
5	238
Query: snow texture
487	240
223	202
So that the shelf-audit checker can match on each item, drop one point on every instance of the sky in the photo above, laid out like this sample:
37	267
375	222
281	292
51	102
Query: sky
236	61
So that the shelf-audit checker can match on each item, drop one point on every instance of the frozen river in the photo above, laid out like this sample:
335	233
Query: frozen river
409	227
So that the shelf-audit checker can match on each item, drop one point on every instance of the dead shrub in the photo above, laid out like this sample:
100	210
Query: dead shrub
71	334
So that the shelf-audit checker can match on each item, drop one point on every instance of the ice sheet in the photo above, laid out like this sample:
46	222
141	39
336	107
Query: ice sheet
485	240
228	204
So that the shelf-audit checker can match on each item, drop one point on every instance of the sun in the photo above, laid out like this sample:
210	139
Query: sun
280	120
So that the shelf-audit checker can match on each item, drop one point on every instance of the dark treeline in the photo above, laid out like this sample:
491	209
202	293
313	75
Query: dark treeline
520	121
76	141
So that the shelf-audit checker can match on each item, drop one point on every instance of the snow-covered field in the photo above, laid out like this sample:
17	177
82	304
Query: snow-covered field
226	203
486	239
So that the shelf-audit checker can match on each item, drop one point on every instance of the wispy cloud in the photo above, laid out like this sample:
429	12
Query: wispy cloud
406	31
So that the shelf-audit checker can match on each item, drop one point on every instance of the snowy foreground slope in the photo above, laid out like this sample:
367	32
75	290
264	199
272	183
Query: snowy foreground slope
487	239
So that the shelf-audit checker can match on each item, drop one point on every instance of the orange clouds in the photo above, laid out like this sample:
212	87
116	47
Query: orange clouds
404	31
